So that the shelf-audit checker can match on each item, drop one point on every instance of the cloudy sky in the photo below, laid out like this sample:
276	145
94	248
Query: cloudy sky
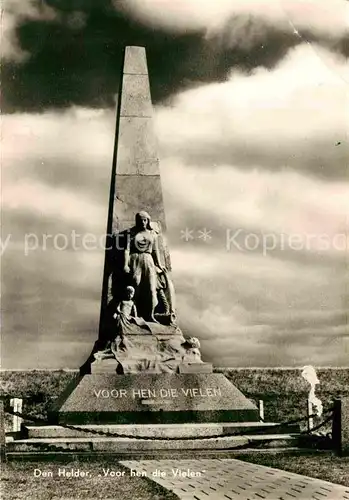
251	112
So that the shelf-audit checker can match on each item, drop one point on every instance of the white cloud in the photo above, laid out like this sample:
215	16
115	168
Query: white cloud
321	16
294	116
50	159
225	143
59	135
267	204
36	199
254	310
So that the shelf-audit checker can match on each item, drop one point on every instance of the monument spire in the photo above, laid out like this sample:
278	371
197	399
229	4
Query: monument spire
136	170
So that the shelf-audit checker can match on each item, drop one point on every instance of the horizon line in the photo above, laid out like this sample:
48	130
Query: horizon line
215	368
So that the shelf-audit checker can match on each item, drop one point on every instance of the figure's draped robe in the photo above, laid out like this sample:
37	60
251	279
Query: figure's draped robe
143	274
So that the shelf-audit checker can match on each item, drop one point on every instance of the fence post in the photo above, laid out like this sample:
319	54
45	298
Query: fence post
19	409
14	418
16	404
2	433
337	427
310	412
261	410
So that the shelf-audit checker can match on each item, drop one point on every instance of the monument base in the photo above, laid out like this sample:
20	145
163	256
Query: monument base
107	398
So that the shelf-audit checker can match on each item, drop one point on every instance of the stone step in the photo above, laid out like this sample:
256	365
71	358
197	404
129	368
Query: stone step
125	445
69	455
157	430
137	430
231	428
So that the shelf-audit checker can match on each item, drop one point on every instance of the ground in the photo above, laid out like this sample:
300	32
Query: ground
19	483
324	466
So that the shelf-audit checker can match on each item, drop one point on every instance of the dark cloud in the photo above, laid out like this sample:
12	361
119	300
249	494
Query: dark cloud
75	57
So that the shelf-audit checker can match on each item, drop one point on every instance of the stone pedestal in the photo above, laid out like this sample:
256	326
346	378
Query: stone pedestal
149	398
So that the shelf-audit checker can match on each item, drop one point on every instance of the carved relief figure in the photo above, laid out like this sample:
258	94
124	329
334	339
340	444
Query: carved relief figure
192	353
126	317
166	297
142	264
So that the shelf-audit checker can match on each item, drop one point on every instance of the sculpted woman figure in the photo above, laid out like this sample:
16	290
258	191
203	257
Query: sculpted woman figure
142	264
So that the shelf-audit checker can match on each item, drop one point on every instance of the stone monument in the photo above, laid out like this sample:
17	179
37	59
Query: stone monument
142	368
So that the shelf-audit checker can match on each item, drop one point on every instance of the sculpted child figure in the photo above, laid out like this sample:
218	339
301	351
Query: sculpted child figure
127	307
126	317
127	322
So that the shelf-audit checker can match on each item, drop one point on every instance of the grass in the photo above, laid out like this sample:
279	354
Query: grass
19	483
285	392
